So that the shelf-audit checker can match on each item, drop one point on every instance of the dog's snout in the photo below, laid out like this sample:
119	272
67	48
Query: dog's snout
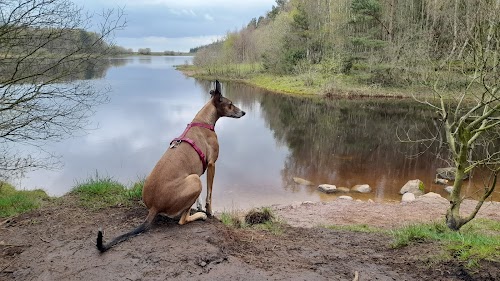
243	113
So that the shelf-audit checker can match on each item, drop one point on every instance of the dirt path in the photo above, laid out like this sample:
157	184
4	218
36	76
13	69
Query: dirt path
57	243
386	215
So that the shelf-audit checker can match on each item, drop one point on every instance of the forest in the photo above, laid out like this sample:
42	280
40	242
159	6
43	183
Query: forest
377	43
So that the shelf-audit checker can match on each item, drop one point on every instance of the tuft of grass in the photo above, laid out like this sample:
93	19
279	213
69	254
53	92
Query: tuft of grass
478	240
14	202
260	216
231	219
263	218
100	192
135	192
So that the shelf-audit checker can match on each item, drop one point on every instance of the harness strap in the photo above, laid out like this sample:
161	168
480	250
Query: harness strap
175	142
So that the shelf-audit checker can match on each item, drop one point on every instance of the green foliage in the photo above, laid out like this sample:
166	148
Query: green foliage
231	219
366	7
421	186
336	64
135	192
14	202
480	240
100	192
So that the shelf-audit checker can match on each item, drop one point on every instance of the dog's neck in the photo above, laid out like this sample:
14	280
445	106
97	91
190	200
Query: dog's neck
208	114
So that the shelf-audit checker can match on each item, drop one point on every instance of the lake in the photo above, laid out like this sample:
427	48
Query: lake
341	142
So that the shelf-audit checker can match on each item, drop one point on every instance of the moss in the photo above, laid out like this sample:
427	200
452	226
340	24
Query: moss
421	186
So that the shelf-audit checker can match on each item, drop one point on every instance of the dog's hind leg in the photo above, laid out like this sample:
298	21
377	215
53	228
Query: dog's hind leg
192	187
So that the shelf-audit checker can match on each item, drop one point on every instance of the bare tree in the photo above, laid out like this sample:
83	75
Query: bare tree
44	48
471	114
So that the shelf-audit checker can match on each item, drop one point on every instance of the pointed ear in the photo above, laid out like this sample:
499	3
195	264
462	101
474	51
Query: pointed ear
217	87
217	92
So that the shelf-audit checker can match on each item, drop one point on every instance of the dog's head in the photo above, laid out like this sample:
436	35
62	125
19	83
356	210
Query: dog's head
225	107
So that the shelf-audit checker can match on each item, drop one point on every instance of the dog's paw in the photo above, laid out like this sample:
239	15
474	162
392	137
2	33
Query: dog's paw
203	216
208	214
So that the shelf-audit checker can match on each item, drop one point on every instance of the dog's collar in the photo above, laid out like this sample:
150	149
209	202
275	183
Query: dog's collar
204	125
175	142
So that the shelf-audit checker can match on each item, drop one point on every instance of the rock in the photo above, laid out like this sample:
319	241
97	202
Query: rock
371	201
345	197
362	188
413	186
441	181
408	197
302	181
432	195
327	188
449	189
343	189
308	203
448	173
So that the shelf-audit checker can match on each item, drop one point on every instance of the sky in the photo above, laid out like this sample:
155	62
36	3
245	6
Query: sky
178	25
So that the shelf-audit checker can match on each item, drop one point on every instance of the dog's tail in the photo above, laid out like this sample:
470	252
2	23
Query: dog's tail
140	229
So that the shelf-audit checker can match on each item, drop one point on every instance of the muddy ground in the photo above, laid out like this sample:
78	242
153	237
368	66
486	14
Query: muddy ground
58	243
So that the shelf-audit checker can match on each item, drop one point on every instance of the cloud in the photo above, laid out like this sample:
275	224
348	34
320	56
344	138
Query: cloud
199	3
172	24
208	17
182	12
159	44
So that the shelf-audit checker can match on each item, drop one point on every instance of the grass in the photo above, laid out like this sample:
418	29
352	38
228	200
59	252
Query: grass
478	240
231	219
135	192
261	218
14	202
314	82
100	192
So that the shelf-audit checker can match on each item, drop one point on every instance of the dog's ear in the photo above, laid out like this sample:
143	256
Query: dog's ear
217	87
216	94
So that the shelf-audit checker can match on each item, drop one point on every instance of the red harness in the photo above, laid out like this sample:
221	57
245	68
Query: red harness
174	143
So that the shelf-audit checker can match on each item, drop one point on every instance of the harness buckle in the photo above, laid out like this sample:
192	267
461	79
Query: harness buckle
175	143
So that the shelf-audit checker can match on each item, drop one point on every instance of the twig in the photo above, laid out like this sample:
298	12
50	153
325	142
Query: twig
44	240
9	264
356	276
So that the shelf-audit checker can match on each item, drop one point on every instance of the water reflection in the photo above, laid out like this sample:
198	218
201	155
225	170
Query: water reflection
349	142
339	142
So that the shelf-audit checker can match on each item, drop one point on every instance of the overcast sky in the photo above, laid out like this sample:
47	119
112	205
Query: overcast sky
178	25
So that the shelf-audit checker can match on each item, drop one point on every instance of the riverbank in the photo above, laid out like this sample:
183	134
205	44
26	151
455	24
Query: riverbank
341	86
314	241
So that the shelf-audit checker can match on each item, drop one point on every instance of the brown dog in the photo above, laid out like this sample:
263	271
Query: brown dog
174	184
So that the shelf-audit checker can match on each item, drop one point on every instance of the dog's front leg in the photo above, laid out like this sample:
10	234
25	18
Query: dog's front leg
210	182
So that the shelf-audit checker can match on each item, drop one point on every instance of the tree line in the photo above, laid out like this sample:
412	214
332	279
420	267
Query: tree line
387	42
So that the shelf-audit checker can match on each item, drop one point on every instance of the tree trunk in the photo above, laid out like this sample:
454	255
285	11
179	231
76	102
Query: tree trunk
453	219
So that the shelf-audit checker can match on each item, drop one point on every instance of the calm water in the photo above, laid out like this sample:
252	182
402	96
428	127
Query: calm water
337	142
